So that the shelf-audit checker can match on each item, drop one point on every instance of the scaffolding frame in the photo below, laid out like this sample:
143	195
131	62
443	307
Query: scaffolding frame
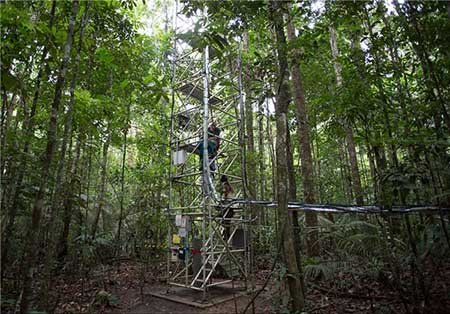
200	98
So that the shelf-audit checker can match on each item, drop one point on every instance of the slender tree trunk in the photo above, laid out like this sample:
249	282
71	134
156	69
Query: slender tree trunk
364	171
348	176
249	125
448	8
404	95
285	221
346	187
261	157
16	190
383	97
250	152
88	191
351	147
437	189
102	190
292	187
71	186
373	174
273	158
122	176
354	169
30	247
303	130
6	116
381	165
292	192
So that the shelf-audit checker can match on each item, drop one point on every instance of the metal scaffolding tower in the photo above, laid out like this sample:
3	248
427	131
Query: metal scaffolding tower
208	235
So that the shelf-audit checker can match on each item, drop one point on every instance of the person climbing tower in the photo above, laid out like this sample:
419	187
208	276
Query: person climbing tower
214	132
213	146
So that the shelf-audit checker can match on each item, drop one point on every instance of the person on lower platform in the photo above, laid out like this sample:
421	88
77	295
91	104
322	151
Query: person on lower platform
226	188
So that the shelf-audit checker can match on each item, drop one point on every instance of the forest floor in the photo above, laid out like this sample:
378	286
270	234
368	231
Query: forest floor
126	289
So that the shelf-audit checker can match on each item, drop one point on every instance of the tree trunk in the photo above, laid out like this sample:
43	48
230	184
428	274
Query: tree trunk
272	156
261	158
354	169
292	192
70	188
32	234
386	103
303	130
250	153
87	189
8	108
101	196
343	172
381	165
404	94
294	278
356	179
250	141
373	175
448	8
292	187
122	176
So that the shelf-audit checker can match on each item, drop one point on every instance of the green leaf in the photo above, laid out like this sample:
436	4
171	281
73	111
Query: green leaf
124	83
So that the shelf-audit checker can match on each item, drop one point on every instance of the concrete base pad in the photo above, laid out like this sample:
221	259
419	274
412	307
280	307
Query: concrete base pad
214	295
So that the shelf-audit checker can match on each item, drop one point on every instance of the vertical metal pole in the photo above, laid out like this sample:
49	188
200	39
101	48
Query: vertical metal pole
205	171
241	121
246	217
186	257
204	253
174	60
